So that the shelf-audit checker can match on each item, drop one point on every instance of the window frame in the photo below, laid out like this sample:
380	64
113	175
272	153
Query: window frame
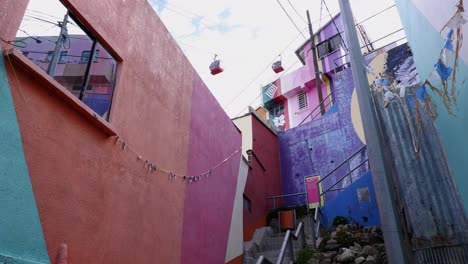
303	96
87	75
328	44
63	54
82	58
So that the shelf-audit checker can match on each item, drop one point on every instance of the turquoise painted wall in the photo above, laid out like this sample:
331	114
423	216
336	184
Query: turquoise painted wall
426	43
21	237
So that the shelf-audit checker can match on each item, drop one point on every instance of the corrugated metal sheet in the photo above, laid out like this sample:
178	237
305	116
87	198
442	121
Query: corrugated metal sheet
430	204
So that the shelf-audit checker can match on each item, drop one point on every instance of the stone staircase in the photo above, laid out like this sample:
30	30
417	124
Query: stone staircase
267	243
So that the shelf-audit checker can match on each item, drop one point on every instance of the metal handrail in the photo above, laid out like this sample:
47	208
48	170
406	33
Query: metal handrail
317	107
341	164
342	178
287	243
348	174
283	196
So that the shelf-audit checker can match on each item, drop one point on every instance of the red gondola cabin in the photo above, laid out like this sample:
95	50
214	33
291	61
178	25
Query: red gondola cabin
215	67
277	67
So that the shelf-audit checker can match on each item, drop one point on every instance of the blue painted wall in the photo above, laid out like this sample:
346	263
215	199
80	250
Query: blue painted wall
426	43
347	204
21	237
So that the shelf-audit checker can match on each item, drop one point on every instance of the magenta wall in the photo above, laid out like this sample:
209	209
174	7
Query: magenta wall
209	203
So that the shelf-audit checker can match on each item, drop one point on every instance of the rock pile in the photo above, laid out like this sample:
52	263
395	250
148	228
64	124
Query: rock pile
352	244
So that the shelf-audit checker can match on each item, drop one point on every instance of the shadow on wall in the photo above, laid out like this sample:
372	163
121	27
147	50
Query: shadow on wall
357	203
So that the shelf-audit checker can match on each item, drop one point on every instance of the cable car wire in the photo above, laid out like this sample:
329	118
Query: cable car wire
295	10
292	21
286	71
336	27
258	75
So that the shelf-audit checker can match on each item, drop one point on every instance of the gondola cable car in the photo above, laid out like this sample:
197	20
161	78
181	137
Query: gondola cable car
277	67
215	66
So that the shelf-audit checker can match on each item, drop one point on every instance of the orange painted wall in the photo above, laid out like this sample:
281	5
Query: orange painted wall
90	193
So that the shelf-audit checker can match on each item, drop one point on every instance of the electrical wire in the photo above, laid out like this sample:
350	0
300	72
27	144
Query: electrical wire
12	43
41	19
336	27
321	9
258	75
290	19
286	71
184	10
295	10
374	15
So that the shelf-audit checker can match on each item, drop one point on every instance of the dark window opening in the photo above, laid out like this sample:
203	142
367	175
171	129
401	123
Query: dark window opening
247	204
277	110
328	46
65	51
63	56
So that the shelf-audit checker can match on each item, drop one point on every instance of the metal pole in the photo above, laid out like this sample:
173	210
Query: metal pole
391	226
58	47
317	73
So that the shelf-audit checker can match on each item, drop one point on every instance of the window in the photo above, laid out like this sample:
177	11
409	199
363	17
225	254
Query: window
96	55
302	99
247	203
328	46
92	83
363	194
277	110
63	56
85	56
49	55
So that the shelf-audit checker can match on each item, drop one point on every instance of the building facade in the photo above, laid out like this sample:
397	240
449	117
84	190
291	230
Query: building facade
294	99
261	150
110	184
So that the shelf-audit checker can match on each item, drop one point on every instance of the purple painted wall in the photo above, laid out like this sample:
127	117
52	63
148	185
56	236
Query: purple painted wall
208	206
317	147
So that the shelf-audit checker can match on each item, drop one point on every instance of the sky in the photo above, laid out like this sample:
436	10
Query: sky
248	36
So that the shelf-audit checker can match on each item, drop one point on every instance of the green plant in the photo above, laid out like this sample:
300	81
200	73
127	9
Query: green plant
340	220
304	255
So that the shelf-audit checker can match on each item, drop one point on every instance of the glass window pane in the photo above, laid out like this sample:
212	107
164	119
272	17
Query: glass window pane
322	49
40	38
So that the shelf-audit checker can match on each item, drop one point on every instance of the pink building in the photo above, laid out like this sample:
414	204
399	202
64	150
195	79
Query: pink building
294	98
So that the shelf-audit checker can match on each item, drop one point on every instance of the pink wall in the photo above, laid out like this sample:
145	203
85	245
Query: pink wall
99	198
261	183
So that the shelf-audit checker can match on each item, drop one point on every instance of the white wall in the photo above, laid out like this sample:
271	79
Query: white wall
235	246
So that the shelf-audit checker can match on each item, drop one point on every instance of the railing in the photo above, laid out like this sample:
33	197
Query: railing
317	223
283	196
331	100
287	246
348	174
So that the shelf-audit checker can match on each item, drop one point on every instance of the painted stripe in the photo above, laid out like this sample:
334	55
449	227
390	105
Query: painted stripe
21	237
